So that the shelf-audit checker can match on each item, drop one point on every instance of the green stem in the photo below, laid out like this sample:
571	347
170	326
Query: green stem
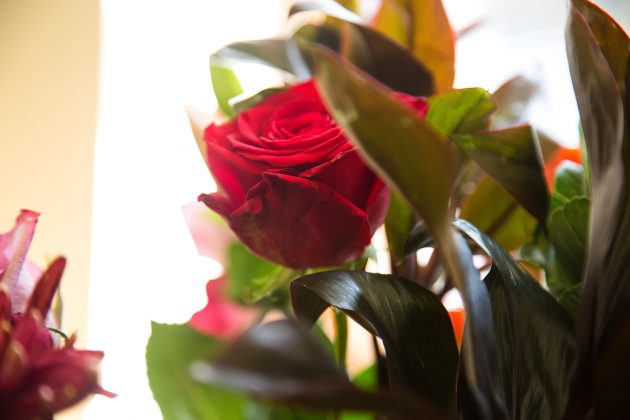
341	338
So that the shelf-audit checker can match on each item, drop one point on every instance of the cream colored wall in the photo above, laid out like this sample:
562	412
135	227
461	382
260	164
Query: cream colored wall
48	88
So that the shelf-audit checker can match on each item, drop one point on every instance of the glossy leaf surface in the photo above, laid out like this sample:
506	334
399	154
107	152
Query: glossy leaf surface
420	163
414	326
535	337
282	362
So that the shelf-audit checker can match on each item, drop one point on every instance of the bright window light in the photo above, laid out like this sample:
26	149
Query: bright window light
154	62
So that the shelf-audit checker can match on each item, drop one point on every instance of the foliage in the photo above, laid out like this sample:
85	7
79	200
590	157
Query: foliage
541	269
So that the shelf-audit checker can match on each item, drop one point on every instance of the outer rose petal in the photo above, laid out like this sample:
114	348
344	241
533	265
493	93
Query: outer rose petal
351	178
233	174
348	175
220	317
301	223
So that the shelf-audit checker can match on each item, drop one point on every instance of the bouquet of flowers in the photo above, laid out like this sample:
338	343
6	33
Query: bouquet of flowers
368	132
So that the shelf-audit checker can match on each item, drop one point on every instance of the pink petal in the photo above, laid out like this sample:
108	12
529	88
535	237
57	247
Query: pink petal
14	246
220	317
212	236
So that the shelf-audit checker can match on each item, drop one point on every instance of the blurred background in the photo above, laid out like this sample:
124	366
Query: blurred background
94	134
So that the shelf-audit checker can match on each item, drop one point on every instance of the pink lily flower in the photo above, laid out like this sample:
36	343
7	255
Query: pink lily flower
37	376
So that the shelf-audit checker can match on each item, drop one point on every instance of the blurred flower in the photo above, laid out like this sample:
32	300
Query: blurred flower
37	377
221	318
560	155
458	318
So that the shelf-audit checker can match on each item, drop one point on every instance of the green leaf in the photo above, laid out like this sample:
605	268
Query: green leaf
461	111
254	280
249	274
421	164
495	212
568	234
226	86
170	352
414	326
281	362
398	223
367	378
261	411
535	337
512	157
567	231
569	183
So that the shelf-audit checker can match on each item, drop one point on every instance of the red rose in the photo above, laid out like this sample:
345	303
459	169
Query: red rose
291	186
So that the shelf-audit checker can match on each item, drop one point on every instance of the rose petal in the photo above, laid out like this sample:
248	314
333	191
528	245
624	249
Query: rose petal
301	223
233	174
348	175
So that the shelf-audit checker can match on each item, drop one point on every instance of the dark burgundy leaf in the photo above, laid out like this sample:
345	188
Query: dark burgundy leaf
283	362
414	326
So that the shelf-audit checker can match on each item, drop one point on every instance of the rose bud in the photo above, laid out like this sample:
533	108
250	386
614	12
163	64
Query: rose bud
290	185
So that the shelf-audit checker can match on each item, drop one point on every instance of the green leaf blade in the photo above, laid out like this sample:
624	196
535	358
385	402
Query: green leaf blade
496	213
170	352
461	111
226	86
512	157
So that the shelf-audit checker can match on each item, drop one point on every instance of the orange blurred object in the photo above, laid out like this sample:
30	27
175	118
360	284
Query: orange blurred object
560	155
458	317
